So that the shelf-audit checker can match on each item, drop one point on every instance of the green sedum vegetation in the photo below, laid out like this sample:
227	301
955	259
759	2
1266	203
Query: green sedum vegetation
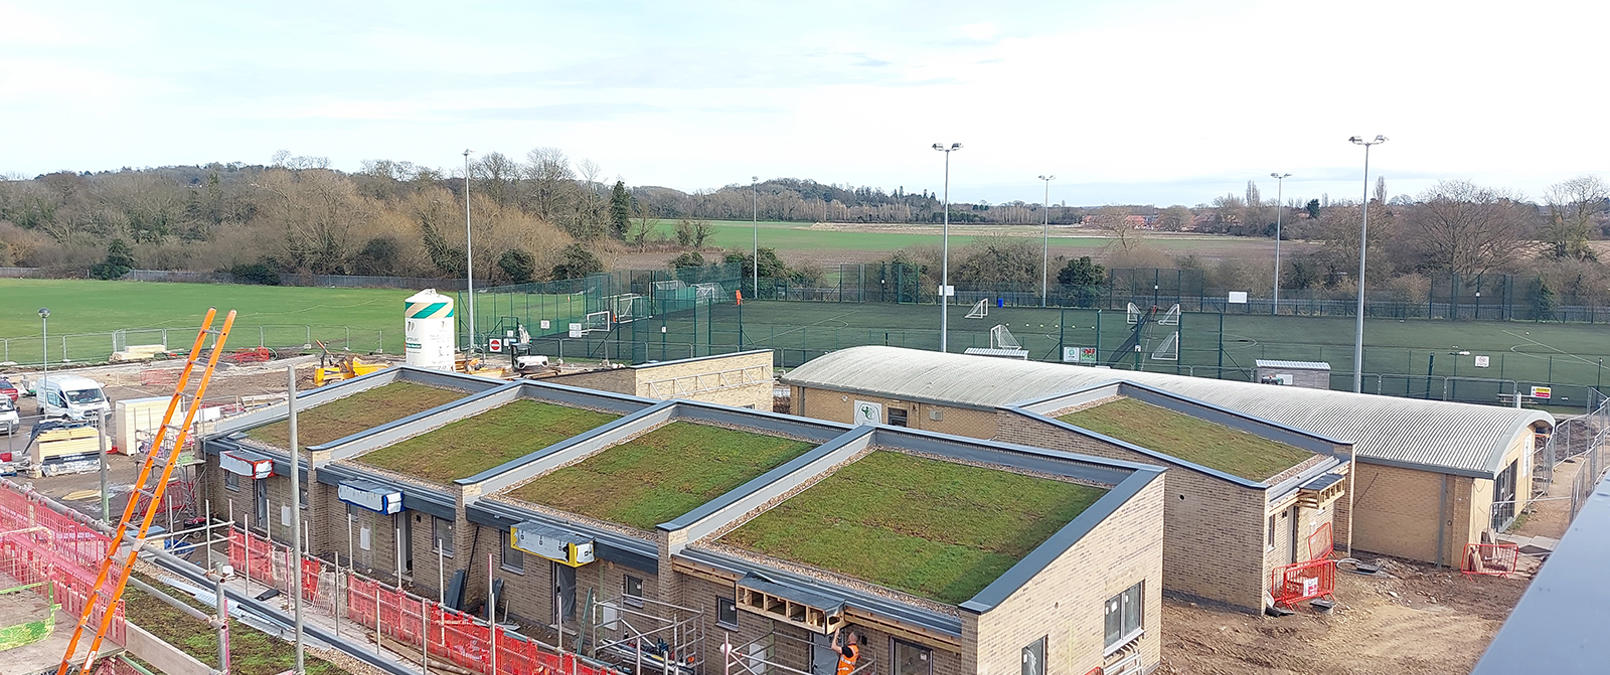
359	412
1215	446
470	446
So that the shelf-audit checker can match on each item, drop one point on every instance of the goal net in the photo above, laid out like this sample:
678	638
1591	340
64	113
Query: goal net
1133	317
1169	350
980	309
596	321
628	307
1001	338
1172	317
707	293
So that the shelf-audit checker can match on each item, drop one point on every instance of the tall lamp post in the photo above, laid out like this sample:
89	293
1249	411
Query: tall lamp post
754	220
1363	242
44	352
469	257
1280	210
944	260
1045	242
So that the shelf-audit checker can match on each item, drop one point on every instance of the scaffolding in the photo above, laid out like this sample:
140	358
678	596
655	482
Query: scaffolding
758	656
56	557
646	635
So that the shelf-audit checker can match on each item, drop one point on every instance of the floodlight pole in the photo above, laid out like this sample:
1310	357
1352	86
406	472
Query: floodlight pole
44	352
1280	208
1045	243
944	261
1363	242
469	258
754	221
296	515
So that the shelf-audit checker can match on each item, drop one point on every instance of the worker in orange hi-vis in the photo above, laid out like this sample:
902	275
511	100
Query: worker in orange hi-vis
849	651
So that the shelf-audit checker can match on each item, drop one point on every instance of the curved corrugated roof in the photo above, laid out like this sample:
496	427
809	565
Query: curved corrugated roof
1461	437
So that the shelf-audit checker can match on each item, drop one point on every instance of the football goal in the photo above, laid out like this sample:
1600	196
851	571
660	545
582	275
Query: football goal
1001	338
980	309
1133	315
1172	317
628	307
596	321
708	292
1169	350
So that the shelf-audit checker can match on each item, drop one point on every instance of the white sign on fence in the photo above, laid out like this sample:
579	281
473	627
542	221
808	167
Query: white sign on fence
576	331
1237	298
1482	361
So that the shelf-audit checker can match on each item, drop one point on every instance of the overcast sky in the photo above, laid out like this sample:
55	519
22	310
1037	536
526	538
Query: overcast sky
1124	101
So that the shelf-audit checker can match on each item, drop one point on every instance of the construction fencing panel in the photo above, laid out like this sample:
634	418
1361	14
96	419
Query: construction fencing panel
1302	581
1496	560
1320	543
40	544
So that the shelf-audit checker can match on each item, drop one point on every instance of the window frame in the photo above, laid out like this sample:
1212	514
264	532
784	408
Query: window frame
1122	602
905	417
895	644
436	523
231	481
635	600
724	606
1038	648
508	551
1269	536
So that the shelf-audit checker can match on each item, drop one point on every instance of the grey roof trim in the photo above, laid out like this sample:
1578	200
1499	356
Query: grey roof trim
399	430
1564	606
1294	365
593	440
611	546
899	611
693	359
1322	481
1235	419
762	421
808	596
565	394
1043	555
1057	462
1447	435
1420	466
1278	491
415	498
753	494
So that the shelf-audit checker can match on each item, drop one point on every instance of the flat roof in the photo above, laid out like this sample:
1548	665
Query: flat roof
1457	438
358	412
1192	439
652	478
474	444
937	529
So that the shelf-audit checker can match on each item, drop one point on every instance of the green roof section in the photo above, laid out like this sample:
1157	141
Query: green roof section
474	444
933	528
662	474
1191	439
362	411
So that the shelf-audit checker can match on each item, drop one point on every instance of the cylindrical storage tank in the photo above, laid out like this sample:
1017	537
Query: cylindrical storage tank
428	333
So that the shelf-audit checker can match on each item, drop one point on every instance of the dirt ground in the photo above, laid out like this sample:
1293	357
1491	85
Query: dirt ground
1409	619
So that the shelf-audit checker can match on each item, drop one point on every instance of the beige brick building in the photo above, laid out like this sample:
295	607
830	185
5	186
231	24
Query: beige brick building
739	379
1070	584
1431	476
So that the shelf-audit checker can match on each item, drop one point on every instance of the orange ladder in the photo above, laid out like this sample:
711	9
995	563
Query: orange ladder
153	505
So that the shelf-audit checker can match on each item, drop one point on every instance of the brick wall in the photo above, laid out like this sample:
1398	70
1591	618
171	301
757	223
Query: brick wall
641	381
1214	540
839	407
1065	602
1397	511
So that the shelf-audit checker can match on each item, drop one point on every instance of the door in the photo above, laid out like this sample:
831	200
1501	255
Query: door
406	541
824	659
1296	533
260	501
564	593
1504	497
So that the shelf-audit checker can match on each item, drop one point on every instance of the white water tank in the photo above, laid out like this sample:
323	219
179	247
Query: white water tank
428	334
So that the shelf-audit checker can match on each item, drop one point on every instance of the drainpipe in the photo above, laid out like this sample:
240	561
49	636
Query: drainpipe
1442	519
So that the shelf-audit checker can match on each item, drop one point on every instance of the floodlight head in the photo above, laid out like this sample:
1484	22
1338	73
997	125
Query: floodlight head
938	147
1048	178
754	179
1279	176
955	146
44	312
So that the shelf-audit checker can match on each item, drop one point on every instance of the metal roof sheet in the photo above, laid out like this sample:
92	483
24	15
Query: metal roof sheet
1298	365
1456	437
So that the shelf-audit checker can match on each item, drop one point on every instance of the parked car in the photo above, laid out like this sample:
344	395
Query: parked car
9	390
71	396
9	421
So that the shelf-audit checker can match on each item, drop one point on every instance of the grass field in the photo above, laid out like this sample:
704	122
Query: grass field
1215	446
660	475
359	412
470	446
932	528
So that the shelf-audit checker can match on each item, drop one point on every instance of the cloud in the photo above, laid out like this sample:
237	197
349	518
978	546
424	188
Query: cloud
559	112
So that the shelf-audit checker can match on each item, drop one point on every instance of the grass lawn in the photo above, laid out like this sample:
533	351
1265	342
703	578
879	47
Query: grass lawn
470	446
251	652
1215	446
364	410
662	474
800	236
936	529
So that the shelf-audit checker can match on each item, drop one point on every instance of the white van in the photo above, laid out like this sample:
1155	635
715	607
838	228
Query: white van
71	396
9	421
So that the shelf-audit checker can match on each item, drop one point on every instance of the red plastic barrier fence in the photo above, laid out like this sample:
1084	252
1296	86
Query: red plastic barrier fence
39	544
1320	543
1297	582
1495	560
260	563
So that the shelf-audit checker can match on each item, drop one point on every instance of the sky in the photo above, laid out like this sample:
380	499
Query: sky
1137	101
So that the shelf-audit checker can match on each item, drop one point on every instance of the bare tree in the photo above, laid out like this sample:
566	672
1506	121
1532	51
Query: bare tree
1120	226
552	183
1463	228
1573	207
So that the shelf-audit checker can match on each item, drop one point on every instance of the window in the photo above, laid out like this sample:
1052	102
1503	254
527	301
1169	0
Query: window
513	558
301	497
1123	617
909	659
632	590
231	481
1034	658
1269	536
897	417
441	532
726	613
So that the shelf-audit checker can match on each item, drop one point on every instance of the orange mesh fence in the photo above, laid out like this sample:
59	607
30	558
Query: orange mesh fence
1497	560
1297	582
39	544
1320	544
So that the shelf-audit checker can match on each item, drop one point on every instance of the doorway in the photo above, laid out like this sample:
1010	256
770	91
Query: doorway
564	593
1504	497
824	659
